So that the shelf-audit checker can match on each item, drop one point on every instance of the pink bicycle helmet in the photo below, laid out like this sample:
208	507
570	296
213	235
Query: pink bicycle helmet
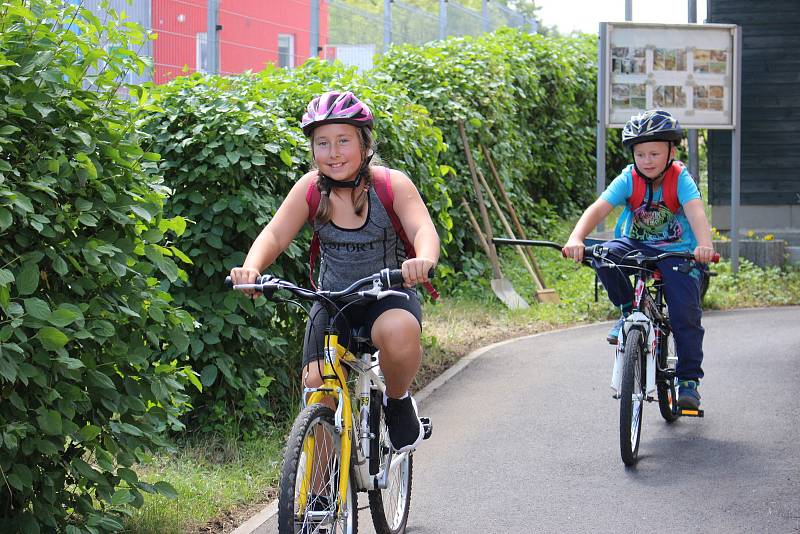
336	107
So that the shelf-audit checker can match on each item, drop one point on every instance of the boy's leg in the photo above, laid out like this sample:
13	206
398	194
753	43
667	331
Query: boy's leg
682	292
617	281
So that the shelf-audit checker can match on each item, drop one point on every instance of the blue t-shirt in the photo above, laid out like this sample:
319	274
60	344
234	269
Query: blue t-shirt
658	226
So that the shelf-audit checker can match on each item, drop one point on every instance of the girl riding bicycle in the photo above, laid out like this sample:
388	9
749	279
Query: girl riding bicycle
663	212
357	238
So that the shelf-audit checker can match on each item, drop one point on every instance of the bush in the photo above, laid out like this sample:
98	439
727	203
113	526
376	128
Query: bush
231	149
88	382
530	100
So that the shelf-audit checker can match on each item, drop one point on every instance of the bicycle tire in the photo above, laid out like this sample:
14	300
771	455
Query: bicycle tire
389	507
631	397
316	420
665	387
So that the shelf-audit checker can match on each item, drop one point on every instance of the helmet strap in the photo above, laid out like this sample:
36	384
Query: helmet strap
329	183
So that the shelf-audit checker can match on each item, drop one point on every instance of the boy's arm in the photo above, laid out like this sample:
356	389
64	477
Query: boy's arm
696	214
595	213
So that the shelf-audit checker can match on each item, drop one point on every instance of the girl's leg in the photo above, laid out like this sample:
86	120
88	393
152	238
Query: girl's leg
396	334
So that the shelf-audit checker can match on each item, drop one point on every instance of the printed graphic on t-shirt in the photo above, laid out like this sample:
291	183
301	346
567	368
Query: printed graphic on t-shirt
656	224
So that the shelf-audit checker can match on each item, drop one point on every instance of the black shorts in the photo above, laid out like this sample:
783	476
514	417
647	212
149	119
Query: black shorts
353	317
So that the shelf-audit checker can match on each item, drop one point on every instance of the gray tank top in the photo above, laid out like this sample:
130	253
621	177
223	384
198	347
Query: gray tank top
349	254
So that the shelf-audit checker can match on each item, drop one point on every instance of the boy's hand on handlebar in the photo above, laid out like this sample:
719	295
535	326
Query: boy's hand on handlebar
574	249
703	254
415	271
245	275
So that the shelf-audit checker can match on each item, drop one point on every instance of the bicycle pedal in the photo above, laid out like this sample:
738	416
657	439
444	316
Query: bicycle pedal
427	427
687	412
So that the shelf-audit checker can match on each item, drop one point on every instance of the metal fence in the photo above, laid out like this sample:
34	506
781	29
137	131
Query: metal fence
397	22
246	35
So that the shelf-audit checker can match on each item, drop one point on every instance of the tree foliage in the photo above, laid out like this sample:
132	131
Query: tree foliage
88	336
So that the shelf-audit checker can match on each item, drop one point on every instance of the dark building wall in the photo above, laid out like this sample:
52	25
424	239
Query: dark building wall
770	117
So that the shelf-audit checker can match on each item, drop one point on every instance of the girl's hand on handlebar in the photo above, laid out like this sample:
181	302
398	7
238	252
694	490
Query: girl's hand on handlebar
245	275
415	271
704	254
574	250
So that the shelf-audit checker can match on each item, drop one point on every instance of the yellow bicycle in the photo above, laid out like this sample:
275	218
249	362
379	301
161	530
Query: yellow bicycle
332	454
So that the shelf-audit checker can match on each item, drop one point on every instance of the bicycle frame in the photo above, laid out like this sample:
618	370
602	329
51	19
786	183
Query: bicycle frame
647	317
335	386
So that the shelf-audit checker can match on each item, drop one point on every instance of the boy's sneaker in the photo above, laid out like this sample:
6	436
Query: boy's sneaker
613	334
688	396
402	421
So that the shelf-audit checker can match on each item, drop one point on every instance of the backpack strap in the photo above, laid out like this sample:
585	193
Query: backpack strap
669	188
383	188
312	198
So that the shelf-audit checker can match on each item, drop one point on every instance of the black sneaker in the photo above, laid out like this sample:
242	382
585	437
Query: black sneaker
402	421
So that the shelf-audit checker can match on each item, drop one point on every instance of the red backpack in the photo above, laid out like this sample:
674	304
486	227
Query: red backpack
383	188
669	188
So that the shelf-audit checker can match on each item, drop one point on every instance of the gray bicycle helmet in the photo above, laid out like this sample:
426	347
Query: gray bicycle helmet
653	125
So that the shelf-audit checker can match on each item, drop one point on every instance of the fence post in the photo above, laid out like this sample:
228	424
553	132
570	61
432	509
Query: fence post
485	15
387	25
442	19
314	34
211	37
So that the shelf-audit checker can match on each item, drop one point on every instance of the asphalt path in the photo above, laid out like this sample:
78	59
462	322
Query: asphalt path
526	439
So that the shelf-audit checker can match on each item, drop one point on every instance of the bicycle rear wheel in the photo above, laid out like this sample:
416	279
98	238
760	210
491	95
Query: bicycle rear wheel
665	386
309	485
631	399
389	507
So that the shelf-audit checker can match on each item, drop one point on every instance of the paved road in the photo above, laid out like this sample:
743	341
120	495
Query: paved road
526	440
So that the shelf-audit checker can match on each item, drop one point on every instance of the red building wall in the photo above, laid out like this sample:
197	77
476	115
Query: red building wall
248	38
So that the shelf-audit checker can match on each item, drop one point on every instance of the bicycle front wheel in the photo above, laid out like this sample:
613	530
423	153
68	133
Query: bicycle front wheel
631	398
389	506
309	486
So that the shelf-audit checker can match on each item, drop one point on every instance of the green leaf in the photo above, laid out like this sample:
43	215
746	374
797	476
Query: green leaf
37	308
87	433
70	363
121	497
50	422
208	375
286	157
6	277
5	218
166	489
192	376
8	129
52	338
152	156
63	317
28	279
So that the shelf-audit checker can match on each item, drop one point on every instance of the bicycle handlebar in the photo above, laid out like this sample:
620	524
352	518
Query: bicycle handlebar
382	281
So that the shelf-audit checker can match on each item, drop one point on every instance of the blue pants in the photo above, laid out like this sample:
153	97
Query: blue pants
681	291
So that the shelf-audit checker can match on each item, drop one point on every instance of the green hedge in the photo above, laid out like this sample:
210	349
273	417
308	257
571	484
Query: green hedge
530	100
231	149
88	337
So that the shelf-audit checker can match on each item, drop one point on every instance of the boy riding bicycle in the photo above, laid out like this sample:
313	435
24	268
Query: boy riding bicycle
663	212
357	237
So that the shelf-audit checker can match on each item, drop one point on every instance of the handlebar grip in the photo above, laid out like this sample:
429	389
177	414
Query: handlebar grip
394	277
228	281
715	258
